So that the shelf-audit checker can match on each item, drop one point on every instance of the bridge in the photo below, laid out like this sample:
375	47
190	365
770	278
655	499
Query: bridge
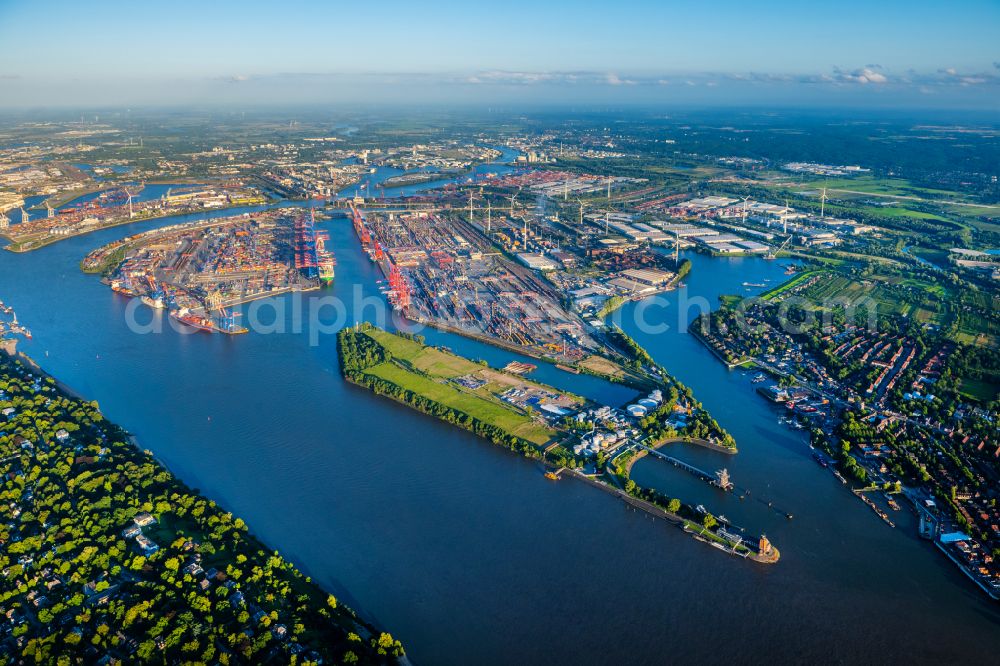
720	479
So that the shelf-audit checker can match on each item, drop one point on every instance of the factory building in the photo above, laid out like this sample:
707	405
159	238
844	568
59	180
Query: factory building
537	262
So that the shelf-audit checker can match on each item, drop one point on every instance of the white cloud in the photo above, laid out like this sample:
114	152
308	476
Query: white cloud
871	76
613	79
864	76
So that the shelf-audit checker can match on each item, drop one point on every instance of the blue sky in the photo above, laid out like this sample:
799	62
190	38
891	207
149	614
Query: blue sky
81	53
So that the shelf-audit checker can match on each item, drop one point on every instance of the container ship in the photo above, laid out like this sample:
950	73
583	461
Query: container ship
361	229
194	321
325	260
312	258
326	264
154	300
201	323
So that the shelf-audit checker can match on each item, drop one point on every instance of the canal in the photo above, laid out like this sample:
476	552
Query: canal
463	550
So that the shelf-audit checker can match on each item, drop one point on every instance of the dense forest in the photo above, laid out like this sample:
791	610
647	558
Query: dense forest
107	556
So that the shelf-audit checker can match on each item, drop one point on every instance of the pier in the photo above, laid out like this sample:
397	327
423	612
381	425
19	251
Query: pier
720	479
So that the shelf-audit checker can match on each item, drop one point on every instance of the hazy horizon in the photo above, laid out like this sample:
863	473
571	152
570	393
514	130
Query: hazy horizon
896	55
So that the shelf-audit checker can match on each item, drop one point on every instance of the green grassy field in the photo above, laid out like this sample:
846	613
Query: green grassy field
729	300
793	282
905	200
896	211
429	373
486	410
980	390
426	359
893	187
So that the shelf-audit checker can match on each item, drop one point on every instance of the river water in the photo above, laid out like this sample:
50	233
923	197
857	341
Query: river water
463	550
370	185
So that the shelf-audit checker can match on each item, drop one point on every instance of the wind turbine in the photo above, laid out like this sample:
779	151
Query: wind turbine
745	200
822	205
489	217
471	216
580	201
513	201
129	195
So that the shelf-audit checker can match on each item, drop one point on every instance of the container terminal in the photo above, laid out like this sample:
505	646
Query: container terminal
441	270
119	205
200	271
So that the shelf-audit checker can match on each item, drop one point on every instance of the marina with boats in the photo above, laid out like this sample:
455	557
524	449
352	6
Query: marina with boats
11	329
